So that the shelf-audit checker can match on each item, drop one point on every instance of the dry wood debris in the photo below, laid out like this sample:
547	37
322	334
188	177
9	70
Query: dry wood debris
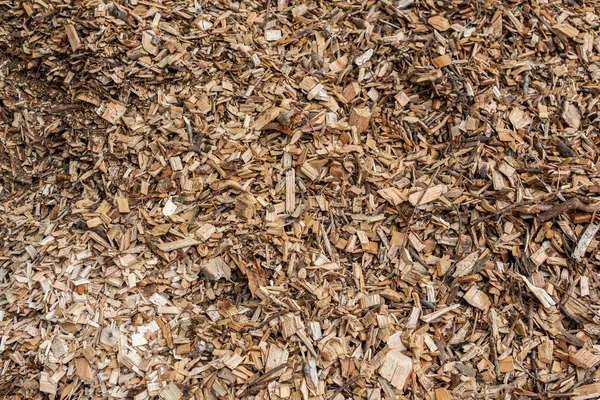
299	200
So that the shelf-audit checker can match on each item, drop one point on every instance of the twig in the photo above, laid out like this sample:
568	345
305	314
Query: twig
271	317
267	14
572	204
577	300
344	386
501	212
66	107
267	374
262	378
194	145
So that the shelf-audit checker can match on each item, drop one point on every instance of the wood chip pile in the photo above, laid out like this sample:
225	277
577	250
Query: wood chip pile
391	199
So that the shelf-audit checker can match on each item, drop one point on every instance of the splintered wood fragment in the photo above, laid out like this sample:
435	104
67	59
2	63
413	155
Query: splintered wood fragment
273	35
147	43
443	265
122	205
402	99
566	30
543	296
351	91
171	392
109	337
413	318
439	23
266	117
275	357
435	315
583	358
396	368
215	269
571	115
47	385
391	295
310	171
584	241
507	364
443	394
519	118
545	351
339	64
466	265
83	370
584	392
94	222
584	286
291	324
370	301
178	244
114	112
91	98
441	61
427	196
308	83
477	298
363	58
73	37
206	231
290	191
360	118
393	195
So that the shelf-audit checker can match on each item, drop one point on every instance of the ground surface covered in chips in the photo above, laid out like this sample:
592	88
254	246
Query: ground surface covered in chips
299	200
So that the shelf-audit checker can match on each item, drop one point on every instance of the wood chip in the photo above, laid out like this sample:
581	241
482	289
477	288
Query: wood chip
584	359
360	118
74	40
396	368
584	241
439	23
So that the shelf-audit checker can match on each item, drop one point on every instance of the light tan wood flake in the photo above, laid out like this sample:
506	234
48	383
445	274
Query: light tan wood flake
543	296
566	30
290	191
393	195
205	232
442	61
427	196
443	394
439	23
584	358
83	370
436	314
507	364
73	38
216	268
178	244
266	117
370	301
171	392
360	118
114	111
477	298
396	368
275	357
122	205
545	351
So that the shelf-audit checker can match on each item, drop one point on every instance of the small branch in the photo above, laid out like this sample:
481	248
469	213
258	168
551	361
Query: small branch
501	212
66	107
344	387
569	205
